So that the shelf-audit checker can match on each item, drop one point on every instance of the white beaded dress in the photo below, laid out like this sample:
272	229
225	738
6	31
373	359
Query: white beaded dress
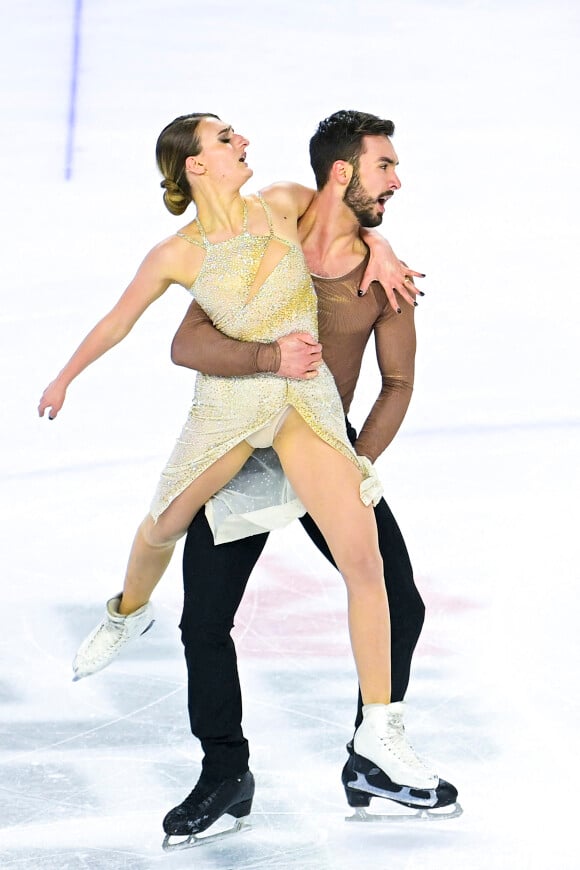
226	411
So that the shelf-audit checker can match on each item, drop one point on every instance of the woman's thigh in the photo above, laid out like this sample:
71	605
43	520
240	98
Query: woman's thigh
175	519
328	485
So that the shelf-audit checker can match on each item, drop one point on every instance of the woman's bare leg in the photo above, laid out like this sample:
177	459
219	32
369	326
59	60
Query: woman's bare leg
154	542
328	484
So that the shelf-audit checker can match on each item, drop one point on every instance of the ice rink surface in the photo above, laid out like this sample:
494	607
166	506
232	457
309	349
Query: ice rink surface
483	477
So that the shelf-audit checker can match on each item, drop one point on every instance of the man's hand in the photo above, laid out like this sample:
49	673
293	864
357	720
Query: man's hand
300	356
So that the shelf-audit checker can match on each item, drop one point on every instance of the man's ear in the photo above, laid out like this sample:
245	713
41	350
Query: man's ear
341	172
195	166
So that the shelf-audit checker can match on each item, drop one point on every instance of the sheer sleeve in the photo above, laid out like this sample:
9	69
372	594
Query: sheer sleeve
198	345
395	342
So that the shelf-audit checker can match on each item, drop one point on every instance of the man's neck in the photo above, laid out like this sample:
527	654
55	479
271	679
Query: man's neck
329	235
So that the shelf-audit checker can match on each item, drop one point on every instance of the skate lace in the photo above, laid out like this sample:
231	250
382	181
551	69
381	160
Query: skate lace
396	741
107	637
199	796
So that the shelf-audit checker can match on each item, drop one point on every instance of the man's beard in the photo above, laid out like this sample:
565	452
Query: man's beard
361	204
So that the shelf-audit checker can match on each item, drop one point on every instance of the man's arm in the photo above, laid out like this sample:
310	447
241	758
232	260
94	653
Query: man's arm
198	345
395	341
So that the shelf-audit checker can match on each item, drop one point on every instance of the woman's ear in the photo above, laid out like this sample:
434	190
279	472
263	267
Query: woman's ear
195	166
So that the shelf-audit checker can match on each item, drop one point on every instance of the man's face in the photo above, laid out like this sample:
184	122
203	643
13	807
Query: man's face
374	182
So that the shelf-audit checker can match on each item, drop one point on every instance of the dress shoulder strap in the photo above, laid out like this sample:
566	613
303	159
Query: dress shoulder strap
192	241
204	238
244	216
268	212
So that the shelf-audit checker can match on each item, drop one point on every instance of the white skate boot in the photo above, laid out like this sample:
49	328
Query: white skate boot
107	640
381	739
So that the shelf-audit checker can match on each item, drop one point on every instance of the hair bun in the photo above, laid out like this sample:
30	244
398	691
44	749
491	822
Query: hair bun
176	201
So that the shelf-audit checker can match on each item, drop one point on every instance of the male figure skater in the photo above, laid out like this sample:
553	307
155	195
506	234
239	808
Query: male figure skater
354	164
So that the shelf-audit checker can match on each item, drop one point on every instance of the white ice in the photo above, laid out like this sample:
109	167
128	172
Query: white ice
483	477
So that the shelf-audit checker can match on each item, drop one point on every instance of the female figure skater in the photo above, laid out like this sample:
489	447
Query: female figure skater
242	260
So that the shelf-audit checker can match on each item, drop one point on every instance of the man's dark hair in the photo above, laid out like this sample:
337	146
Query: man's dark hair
339	137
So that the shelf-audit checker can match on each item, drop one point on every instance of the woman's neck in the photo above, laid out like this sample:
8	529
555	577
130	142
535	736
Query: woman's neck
220	212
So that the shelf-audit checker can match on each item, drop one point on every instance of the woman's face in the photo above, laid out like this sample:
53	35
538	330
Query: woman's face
223	152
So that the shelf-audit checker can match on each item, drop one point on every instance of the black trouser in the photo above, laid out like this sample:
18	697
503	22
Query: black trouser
215	578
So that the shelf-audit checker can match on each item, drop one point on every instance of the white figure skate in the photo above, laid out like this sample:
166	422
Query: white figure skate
383	764
110	636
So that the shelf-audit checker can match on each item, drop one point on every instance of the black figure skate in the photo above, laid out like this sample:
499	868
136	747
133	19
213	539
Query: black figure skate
186	824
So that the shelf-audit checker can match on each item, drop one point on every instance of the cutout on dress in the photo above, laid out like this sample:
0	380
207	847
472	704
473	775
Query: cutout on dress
275	252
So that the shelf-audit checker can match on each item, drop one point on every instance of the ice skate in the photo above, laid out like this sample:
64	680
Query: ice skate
208	804
383	764
110	636
363	780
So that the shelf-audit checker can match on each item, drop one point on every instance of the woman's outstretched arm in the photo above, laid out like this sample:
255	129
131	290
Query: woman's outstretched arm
157	271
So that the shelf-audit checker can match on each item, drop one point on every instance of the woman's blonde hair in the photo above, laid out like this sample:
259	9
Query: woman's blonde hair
177	142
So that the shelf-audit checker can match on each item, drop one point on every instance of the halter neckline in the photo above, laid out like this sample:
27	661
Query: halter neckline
242	232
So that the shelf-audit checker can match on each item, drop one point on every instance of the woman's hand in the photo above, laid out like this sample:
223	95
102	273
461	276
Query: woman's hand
392	274
53	398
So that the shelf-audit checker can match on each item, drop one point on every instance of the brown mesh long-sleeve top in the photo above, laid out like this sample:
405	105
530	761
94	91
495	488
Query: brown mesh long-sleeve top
346	322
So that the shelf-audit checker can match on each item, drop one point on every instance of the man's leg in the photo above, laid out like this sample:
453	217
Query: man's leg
214	579
405	603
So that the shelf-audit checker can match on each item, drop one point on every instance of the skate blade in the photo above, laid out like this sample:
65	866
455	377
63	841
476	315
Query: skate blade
176	842
421	814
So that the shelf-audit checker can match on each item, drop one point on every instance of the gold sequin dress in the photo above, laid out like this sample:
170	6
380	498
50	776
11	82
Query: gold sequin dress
226	411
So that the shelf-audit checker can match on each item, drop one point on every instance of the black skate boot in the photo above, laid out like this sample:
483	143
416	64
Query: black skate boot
363	780
207	803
